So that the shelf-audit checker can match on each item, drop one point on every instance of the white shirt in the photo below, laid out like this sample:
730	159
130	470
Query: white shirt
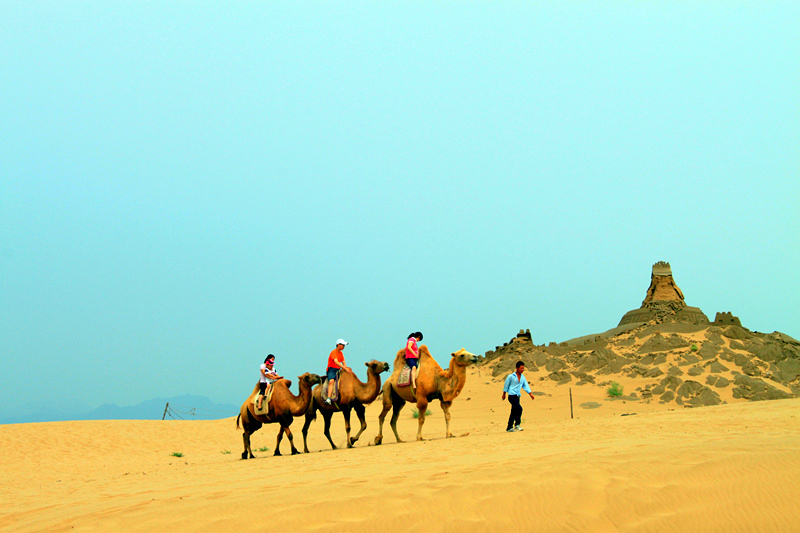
267	379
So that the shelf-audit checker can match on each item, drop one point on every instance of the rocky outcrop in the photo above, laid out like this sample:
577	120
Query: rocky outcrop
726	318
670	343
664	302
756	389
660	343
662	286
685	367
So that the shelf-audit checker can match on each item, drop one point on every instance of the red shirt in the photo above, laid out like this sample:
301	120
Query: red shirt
412	353
335	358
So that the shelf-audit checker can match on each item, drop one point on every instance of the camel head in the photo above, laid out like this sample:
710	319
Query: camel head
377	366
309	379
464	358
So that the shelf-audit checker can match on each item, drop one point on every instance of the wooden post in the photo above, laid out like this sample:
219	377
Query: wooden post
570	403
165	411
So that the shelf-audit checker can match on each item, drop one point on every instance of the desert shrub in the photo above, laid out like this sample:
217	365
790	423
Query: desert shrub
614	390
415	412
263	449
694	347
177	454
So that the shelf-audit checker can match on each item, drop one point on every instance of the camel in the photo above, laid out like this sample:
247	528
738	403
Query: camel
353	394
432	383
283	407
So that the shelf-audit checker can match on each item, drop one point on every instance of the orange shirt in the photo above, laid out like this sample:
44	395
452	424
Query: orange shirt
335	358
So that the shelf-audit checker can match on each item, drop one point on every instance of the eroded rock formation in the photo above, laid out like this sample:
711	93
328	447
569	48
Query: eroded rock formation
662	286
664	302
686	359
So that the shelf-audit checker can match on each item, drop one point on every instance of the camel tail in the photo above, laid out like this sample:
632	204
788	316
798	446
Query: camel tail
237	420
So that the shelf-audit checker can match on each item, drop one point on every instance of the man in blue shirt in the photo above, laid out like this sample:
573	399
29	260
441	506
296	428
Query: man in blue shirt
515	382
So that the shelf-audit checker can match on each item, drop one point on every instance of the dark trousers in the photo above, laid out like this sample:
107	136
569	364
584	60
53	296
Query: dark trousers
515	417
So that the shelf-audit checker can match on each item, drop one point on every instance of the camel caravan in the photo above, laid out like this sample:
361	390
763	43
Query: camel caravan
280	406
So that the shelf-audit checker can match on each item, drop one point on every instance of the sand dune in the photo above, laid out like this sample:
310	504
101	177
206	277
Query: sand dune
730	467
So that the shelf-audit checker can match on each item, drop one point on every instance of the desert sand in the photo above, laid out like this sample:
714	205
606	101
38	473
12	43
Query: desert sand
620	466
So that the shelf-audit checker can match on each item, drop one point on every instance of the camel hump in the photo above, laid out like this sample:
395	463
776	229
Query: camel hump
423	350
400	359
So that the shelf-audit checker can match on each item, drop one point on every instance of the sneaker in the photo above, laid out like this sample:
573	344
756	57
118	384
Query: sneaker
517	428
510	430
327	401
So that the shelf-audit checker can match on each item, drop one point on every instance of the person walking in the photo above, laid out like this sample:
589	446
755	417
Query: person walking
514	384
335	363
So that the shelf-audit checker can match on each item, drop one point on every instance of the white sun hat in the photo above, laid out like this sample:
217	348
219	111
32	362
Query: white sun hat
342	341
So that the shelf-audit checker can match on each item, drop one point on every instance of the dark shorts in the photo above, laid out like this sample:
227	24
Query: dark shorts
262	387
331	374
412	362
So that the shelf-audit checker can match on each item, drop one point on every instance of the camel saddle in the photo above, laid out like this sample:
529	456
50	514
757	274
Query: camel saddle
265	404
335	393
404	379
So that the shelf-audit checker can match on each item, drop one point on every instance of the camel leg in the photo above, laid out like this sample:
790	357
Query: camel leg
310	415
359	409
291	440
278	443
422	406
387	404
327	415
446	409
249	427
397	405
247	451
346	414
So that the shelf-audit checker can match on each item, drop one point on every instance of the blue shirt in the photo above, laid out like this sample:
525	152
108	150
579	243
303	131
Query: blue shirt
512	385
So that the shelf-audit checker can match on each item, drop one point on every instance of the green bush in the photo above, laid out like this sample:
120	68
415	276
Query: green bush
177	454
694	347
415	412
614	390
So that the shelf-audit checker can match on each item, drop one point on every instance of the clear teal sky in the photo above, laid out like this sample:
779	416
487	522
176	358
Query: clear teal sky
187	186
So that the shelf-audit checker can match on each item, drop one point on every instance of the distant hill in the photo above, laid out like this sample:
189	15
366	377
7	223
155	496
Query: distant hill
186	407
672	350
684	364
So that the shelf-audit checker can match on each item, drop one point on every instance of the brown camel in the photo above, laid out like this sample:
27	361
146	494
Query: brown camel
432	383
283	407
353	394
